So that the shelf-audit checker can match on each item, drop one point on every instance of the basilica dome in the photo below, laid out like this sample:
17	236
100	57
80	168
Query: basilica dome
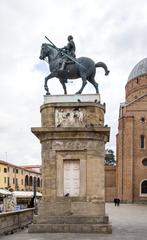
140	69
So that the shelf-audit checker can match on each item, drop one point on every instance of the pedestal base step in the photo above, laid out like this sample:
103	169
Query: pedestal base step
71	220
70	228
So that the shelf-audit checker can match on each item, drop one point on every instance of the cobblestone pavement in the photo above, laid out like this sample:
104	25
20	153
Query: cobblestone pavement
129	222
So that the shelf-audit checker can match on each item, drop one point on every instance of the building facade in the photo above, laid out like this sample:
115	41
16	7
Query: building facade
110	183
36	168
132	138
14	177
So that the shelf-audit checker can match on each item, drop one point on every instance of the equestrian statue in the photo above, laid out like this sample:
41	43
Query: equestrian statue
64	65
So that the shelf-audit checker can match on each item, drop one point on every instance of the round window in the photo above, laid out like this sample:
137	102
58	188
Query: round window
144	161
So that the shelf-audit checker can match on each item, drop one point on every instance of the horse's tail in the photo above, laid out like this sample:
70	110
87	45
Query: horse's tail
104	66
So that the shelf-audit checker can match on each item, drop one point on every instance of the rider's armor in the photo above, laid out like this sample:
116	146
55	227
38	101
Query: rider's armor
70	50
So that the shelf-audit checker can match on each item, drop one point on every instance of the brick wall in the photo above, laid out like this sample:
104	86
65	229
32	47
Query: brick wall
110	183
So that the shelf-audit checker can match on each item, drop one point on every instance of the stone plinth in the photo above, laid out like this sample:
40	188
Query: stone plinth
73	140
71	98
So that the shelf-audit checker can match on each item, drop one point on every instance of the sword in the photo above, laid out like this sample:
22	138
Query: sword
65	54
71	58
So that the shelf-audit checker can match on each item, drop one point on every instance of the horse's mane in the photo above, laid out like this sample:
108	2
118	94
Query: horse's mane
49	45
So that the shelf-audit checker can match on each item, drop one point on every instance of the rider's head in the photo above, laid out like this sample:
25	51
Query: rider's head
70	38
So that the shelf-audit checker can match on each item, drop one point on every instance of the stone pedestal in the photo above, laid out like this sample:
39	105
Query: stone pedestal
73	140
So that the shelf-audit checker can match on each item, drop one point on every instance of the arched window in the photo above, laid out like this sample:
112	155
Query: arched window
142	119
142	141
31	181
144	161
26	180
144	187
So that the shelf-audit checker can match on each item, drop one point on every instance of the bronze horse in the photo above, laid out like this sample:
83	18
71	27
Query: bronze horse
84	68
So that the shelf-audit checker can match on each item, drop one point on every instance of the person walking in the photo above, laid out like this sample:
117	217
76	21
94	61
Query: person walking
115	201
118	202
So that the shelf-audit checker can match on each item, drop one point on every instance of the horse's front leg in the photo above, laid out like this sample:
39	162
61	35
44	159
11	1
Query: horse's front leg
45	83
64	87
46	87
84	82
62	81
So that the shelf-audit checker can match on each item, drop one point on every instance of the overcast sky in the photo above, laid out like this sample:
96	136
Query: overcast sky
113	31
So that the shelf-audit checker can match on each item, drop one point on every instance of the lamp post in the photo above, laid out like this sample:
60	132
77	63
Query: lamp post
34	193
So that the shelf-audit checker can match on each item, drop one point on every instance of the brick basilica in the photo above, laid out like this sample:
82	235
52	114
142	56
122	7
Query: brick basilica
131	154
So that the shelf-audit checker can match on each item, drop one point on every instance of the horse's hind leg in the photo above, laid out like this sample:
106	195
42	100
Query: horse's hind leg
94	83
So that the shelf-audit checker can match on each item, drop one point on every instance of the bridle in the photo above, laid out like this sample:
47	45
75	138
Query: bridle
54	57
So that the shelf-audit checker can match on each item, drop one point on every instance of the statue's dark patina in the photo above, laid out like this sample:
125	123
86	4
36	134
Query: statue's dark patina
81	67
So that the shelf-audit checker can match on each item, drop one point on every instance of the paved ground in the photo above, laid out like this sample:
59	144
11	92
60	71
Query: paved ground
129	223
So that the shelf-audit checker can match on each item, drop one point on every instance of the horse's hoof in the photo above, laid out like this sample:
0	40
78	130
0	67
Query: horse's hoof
77	93
48	93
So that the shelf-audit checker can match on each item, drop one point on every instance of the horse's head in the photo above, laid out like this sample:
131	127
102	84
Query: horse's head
44	51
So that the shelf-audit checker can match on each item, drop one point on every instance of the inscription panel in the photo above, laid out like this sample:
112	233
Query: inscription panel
71	178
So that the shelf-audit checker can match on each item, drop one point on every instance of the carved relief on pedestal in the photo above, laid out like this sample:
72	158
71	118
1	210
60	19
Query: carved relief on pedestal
74	117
